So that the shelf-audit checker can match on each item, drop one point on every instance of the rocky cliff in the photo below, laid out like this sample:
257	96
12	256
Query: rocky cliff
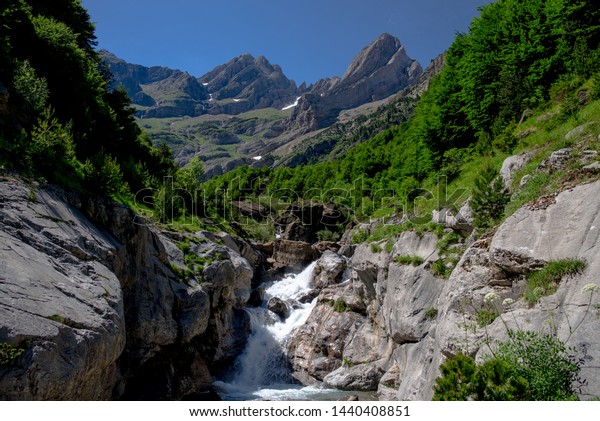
97	304
387	326
250	83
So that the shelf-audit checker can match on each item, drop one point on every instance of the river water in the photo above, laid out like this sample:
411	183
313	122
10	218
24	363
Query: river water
262	371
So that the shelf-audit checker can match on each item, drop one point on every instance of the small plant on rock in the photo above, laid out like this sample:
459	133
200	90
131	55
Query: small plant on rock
9	353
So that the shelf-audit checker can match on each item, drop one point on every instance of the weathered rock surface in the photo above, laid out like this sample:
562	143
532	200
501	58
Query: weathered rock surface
406	322
363	377
57	300
293	254
512	165
87	290
329	270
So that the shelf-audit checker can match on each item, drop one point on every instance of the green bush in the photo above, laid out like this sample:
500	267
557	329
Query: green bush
545	281
431	313
103	174
359	236
340	306
409	260
528	366
440	269
489	199
8	353
326	235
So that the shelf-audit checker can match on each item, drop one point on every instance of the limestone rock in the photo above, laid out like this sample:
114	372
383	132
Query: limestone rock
363	377
293	254
329	270
230	280
317	347
512	165
557	160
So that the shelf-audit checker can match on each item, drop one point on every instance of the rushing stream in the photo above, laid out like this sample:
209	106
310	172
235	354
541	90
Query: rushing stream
262	372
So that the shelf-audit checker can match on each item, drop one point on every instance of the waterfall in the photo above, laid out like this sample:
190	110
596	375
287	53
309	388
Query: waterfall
263	362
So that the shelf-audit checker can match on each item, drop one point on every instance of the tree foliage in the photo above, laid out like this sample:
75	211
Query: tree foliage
48	61
528	366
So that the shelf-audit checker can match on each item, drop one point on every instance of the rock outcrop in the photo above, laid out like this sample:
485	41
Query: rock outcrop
388	327
92	296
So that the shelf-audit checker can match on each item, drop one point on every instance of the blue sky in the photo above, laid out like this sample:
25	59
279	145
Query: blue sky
309	39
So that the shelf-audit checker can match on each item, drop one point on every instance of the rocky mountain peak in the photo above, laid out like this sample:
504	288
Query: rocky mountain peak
378	54
380	70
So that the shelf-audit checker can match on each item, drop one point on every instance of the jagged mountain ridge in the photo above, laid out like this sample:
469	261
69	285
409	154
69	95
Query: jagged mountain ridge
252	83
271	113
247	83
157	91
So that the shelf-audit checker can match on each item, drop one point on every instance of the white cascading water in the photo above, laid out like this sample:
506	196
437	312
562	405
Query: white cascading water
263	367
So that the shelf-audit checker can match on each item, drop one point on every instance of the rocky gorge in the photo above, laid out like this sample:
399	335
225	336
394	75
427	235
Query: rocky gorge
108	306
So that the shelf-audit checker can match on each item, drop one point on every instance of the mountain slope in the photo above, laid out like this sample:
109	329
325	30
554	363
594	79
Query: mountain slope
251	83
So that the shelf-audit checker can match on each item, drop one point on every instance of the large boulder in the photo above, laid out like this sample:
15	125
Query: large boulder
293	254
329	270
512	165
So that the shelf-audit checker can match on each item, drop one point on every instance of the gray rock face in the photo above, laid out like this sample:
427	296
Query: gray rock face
329	270
254	81
87	290
406	322
364	377
57	301
293	254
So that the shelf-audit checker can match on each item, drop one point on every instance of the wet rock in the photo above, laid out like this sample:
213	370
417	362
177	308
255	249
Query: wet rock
279	307
257	296
309	296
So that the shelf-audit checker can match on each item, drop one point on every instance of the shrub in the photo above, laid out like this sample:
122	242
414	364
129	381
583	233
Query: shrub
545	281
431	313
8	353
326	235
489	199
528	366
376	248
359	236
409	260
103	174
440	269
340	306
